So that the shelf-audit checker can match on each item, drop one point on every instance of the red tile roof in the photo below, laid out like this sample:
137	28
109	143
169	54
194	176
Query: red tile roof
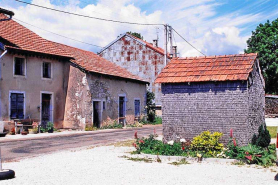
18	37
94	63
212	68
26	40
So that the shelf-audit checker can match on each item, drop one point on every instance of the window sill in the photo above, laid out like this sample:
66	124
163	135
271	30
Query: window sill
19	76
46	79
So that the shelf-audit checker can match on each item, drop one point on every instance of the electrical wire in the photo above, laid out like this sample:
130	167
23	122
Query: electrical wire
58	34
86	16
188	42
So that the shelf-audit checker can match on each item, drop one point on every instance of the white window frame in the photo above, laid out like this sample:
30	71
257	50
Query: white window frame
51	70
25	67
139	106
51	105
24	104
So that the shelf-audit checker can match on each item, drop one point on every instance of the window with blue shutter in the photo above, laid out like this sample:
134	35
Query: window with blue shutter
137	108
17	106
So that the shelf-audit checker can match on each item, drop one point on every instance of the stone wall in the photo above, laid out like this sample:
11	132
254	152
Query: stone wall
256	99
189	109
84	88
271	105
139	59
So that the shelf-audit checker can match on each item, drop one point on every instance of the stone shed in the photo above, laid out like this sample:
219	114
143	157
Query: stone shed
215	93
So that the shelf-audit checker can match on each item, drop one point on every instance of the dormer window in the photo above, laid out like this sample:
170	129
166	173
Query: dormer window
19	66
46	70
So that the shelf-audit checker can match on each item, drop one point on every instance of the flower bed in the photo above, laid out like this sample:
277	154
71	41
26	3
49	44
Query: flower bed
207	145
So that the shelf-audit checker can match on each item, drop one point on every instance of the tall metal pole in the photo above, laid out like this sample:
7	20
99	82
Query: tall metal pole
165	44
171	40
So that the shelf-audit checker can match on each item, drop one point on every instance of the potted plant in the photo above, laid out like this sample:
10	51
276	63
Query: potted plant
34	130
49	127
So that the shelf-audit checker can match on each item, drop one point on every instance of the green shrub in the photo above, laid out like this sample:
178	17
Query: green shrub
90	128
115	125
208	144
263	139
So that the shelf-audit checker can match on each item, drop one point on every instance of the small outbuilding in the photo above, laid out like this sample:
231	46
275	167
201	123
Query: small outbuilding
215	93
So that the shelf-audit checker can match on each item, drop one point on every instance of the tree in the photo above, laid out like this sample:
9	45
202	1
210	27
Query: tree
150	106
264	41
263	139
138	35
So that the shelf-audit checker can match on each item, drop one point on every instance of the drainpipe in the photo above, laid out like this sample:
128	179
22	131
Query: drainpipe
4	53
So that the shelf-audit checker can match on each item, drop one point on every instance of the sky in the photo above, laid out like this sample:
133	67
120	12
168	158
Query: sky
214	27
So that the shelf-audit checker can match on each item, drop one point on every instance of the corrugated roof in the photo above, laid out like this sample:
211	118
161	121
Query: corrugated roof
212	68
20	38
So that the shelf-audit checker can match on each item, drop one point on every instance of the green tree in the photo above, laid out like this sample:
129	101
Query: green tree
264	41
150	106
138	35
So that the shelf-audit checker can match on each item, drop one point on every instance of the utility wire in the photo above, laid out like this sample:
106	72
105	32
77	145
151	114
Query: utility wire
110	20
188	42
58	34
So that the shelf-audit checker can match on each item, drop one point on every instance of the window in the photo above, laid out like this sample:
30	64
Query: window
137	108
17	106
103	105
46	70
19	66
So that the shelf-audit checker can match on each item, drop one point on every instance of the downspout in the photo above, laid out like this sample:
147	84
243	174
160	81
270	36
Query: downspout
4	53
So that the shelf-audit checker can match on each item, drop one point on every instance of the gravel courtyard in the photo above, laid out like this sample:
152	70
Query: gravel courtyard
104	165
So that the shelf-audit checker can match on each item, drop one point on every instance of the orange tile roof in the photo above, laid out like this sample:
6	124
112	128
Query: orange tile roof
212	68
94	63
16	36
24	39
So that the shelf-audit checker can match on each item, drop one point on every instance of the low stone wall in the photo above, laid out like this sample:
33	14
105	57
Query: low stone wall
271	104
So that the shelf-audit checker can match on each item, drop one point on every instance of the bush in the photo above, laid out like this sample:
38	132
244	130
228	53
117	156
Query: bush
90	128
208	144
113	126
263	139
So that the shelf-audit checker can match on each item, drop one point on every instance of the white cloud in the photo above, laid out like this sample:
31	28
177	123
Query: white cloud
197	21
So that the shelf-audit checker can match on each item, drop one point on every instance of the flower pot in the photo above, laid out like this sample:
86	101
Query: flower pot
50	130
24	133
32	131
3	134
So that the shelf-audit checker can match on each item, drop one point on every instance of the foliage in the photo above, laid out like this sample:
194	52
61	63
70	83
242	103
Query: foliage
150	106
264	42
157	121
252	154
272	131
135	34
263	139
90	128
115	125
12	131
49	126
42	129
136	124
208	144
152	146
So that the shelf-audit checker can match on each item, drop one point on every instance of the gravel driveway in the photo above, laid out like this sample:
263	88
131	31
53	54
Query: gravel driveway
102	165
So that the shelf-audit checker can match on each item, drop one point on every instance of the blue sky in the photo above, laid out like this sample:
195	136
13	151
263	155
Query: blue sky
214	26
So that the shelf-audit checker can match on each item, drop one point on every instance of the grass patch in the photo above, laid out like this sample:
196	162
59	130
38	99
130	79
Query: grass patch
272	131
127	143
238	163
138	159
181	162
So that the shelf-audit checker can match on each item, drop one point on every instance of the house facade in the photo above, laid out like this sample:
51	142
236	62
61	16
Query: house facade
139	57
48	81
216	93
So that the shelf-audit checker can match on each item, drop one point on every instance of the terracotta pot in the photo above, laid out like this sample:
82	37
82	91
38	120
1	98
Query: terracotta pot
24	133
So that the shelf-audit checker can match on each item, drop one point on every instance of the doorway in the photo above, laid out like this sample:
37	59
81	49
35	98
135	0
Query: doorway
96	114
46	108
122	110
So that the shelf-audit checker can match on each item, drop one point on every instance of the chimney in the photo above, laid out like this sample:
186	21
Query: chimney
175	52
155	43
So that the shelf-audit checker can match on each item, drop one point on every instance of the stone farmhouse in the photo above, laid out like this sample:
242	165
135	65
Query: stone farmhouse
48	81
216	93
139	57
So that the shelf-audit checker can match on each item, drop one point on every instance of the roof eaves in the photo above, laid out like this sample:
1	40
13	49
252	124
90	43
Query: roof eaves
111	43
